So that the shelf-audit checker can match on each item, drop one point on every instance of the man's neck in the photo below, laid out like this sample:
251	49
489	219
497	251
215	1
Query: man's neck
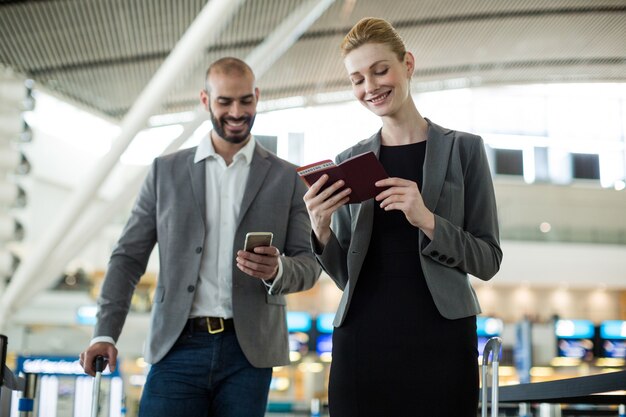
225	149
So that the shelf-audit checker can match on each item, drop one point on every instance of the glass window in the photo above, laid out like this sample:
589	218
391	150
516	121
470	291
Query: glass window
509	162
586	166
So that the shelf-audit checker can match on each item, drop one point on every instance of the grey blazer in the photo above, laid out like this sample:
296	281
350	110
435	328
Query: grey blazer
170	210
457	188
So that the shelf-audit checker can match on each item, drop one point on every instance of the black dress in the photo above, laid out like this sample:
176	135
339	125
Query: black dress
395	355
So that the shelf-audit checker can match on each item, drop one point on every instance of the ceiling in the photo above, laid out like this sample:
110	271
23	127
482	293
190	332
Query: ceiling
102	53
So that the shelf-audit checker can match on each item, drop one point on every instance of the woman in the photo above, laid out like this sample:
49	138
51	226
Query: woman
405	337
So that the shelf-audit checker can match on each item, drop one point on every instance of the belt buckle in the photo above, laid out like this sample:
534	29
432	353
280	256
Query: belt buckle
216	330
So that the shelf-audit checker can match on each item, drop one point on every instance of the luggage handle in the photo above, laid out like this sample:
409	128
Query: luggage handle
99	365
493	346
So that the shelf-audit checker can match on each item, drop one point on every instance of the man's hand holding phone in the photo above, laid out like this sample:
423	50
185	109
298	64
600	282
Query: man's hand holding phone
259	258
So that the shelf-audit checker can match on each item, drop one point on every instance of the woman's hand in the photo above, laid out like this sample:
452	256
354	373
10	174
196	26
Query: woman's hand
321	206
404	195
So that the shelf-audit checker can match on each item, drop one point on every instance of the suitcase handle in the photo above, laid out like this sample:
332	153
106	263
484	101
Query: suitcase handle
493	346
99	363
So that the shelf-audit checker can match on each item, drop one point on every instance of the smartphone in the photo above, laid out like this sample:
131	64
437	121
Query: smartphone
254	239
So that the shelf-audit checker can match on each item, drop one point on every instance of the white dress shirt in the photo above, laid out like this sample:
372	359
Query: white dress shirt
225	186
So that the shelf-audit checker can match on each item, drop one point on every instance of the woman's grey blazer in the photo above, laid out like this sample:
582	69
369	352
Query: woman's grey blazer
458	189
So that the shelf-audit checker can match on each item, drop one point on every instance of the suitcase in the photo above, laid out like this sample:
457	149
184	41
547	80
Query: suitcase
99	364
492	347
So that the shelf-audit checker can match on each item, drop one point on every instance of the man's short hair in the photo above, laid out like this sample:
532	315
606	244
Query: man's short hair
227	65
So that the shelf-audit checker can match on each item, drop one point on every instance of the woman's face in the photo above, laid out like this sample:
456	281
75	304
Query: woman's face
379	80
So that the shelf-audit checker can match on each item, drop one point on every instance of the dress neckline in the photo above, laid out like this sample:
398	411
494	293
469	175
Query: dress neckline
416	144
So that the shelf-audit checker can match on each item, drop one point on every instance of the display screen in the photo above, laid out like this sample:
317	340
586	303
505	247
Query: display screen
488	326
613	329
482	341
298	321
575	338
55	365
324	343
575	348
613	339
325	322
574	329
299	342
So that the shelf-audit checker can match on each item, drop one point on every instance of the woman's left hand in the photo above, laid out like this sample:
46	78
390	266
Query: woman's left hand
404	195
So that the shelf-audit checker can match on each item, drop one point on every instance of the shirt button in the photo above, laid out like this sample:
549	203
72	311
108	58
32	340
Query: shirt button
199	249
191	288
450	261
443	258
434	254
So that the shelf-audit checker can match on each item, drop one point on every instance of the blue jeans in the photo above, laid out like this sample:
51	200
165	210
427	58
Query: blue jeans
205	375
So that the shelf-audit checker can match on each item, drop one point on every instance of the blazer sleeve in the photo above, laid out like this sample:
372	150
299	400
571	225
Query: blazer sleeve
300	270
128	261
473	247
334	256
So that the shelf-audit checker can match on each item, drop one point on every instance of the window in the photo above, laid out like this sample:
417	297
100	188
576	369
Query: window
586	166
509	162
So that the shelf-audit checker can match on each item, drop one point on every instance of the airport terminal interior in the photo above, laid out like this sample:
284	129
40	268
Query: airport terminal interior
91	91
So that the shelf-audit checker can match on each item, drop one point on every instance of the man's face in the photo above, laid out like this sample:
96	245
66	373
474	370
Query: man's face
231	100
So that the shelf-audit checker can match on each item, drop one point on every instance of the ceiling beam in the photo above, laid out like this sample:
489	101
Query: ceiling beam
208	24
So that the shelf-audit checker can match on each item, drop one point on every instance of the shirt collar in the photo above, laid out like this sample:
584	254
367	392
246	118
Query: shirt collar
206	150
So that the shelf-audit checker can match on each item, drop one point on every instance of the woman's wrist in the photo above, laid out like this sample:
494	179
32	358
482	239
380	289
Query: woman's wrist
428	227
322	237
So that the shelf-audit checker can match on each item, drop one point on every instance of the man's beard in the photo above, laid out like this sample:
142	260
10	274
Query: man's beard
218	126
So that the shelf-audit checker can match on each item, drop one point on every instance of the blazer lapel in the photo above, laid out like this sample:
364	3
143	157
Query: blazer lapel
371	144
197	173
363	227
436	164
259	166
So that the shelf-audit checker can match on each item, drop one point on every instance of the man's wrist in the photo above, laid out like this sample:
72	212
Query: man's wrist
102	339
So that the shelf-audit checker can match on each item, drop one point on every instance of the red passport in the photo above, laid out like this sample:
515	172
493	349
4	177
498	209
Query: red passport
360	173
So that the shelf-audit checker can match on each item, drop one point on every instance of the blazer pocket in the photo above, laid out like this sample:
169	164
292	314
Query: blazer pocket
159	294
275	299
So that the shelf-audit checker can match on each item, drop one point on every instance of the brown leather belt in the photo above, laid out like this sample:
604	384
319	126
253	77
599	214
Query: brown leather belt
212	325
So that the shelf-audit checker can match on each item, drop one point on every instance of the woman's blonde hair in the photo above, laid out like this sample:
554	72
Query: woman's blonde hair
373	30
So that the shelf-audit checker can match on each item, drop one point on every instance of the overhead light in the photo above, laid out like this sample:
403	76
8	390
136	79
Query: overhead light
545	227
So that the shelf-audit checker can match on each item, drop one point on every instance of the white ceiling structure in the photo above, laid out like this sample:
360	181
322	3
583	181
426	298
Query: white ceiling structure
115	58
102	53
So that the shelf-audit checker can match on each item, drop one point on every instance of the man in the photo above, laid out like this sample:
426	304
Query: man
218	315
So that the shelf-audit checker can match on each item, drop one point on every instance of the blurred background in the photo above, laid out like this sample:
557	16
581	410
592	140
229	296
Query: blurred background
92	90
